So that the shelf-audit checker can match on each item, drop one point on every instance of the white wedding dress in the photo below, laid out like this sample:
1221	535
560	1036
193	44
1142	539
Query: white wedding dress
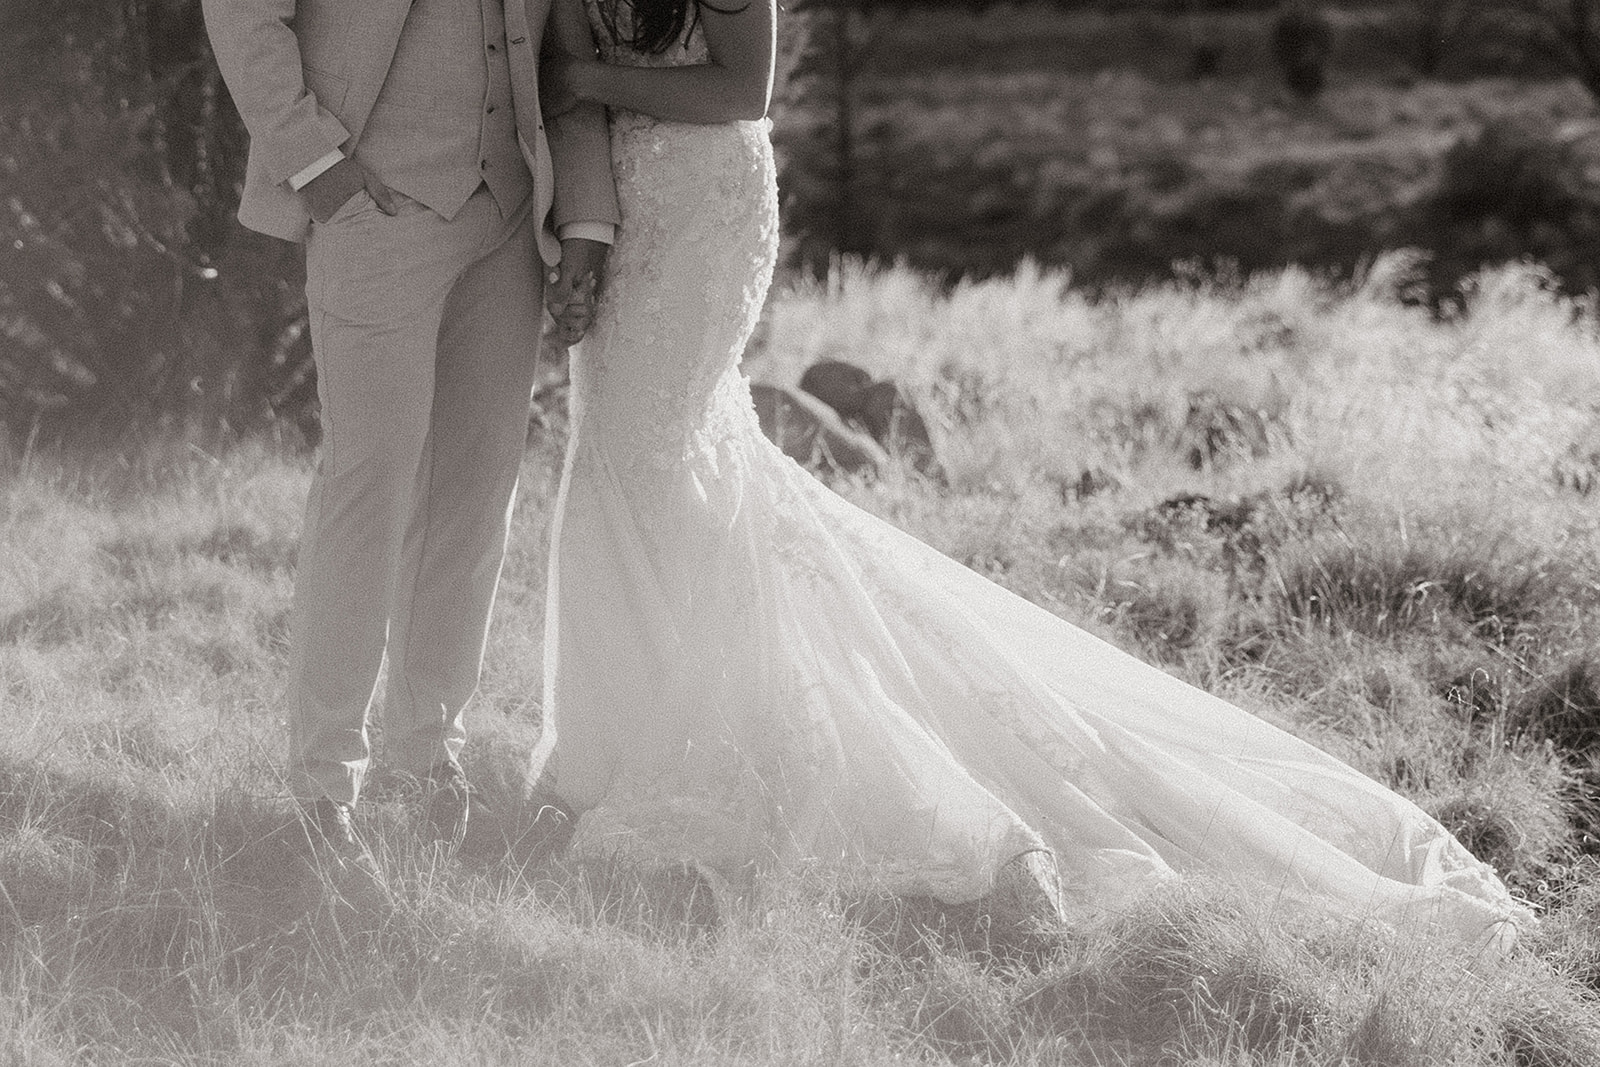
747	673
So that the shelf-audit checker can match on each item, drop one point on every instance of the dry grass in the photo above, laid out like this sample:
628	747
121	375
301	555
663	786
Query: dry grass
1354	519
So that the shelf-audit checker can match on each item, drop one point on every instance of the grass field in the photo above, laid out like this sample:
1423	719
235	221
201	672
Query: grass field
1375	528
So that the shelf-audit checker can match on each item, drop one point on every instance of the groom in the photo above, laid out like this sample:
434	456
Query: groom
402	141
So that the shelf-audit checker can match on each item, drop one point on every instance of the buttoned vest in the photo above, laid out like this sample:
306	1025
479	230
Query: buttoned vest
443	121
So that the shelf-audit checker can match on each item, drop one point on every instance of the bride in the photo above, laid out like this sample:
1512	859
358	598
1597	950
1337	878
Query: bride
745	672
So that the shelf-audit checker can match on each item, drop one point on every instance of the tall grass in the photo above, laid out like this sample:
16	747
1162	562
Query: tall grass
1356	519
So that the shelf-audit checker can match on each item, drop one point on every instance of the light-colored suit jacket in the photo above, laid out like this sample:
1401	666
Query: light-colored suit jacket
305	74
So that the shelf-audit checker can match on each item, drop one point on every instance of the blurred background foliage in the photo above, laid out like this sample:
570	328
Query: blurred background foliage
129	296
1124	139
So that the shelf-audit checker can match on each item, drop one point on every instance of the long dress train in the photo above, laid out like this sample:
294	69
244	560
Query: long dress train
744	671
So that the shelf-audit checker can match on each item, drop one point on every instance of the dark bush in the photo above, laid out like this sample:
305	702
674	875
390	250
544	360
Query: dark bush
1550	36
128	295
825	46
1514	191
1302	41
1429	33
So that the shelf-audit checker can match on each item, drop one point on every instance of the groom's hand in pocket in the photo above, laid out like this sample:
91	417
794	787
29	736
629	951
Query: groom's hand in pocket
574	287
332	189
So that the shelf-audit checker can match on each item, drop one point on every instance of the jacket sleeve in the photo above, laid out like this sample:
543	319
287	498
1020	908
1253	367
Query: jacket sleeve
580	154
580	142
260	60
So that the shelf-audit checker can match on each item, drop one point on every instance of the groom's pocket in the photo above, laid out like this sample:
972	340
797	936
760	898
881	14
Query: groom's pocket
363	265
359	202
362	207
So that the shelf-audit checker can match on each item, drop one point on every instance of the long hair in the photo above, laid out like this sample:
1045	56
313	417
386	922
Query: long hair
656	25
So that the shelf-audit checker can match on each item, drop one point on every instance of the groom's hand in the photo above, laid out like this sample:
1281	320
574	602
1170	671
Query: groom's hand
574	287
329	191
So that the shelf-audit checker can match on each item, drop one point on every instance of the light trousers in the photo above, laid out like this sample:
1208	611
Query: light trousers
425	333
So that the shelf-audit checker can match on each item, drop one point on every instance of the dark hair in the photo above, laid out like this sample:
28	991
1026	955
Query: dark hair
656	25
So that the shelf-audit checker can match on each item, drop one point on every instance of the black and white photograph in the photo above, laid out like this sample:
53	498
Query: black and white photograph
996	533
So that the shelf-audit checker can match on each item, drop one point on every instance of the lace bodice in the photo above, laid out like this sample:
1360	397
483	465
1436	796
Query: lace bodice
689	51
685	281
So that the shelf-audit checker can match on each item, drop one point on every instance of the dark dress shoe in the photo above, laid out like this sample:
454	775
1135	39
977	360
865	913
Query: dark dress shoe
447	802
333	832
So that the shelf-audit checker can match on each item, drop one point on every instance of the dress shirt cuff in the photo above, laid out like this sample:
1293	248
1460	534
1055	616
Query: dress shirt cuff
303	178
604	232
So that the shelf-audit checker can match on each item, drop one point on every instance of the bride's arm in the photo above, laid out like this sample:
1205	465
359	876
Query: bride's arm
741	36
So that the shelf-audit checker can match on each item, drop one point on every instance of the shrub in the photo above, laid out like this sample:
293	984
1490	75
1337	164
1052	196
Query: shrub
1237	536
825	45
128	296
1559	34
1302	41
1430	32
1514	191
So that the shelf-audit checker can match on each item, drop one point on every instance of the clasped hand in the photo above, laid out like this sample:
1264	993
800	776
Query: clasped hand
574	288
